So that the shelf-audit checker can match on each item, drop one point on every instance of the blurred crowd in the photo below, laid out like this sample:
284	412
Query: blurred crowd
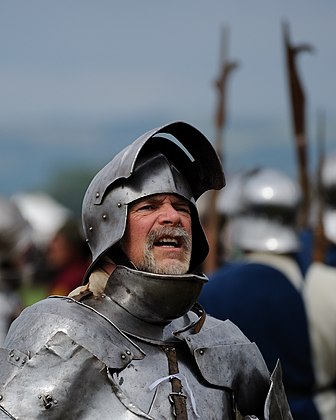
42	253
275	278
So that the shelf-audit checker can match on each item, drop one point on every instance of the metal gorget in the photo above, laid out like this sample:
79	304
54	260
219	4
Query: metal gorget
150	306
155	298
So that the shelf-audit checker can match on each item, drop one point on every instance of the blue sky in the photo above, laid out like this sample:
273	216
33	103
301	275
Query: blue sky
80	79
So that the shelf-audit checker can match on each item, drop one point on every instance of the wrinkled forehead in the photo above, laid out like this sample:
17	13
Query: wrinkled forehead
160	198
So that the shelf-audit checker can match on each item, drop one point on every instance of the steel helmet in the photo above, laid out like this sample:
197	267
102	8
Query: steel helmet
15	231
44	214
328	181
268	220
175	158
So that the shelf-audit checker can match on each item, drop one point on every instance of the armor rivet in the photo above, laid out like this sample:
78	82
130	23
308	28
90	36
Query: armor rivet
104	216
201	352
11	354
119	205
123	356
103	296
86	240
55	402
39	397
0	397
90	228
188	339
128	352
97	194
23	362
17	358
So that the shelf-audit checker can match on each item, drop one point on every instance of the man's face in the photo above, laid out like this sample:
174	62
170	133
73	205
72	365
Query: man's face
158	234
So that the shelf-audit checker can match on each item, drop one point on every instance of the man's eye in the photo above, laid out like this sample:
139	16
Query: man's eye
183	209
146	207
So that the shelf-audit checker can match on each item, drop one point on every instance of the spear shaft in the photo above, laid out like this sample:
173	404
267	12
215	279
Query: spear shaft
297	100
212	219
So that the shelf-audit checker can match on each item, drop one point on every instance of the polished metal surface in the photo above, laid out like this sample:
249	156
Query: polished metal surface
154	298
65	359
259	233
267	220
270	186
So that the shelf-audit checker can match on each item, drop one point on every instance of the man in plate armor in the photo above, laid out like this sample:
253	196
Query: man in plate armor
132	342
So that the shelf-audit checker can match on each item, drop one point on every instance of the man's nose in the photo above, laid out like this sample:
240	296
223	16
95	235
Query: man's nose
169	215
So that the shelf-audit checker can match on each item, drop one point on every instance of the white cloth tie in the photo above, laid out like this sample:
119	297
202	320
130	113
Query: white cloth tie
183	379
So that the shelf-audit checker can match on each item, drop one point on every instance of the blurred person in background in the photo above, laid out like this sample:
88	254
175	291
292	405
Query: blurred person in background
320	292
16	264
262	291
46	216
67	258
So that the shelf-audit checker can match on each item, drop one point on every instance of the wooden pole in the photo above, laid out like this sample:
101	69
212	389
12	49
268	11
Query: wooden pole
212	222
297	100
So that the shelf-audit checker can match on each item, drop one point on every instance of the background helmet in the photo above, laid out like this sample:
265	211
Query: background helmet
16	247
15	231
270	200
182	162
328	181
44	214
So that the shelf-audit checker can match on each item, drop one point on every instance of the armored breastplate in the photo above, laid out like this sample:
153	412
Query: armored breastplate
95	359
179	348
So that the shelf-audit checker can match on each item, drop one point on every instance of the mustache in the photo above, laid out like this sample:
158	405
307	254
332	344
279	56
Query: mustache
177	232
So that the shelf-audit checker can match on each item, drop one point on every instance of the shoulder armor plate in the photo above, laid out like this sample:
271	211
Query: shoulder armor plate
227	358
86	326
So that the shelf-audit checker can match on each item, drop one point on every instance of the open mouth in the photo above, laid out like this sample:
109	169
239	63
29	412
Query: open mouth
168	242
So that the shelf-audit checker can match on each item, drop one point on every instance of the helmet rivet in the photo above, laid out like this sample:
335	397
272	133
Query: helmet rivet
90	228
119	205
97	194
104	216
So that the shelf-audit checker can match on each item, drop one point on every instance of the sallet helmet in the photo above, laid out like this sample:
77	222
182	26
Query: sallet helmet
270	201
175	158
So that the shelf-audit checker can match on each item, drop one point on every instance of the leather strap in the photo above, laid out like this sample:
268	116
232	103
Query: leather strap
176	397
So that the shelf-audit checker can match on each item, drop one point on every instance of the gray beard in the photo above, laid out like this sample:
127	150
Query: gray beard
150	265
